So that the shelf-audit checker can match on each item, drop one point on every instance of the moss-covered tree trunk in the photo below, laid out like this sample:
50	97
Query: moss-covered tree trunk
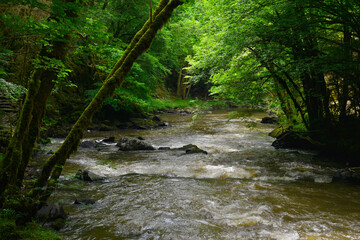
140	43
21	145
179	83
10	164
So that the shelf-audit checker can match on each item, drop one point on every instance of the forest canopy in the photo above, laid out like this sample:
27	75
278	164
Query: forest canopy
109	60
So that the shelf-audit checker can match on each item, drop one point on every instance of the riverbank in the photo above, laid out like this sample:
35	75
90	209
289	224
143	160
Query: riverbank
110	120
339	144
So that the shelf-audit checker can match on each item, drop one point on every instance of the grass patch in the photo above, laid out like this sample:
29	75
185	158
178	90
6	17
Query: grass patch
32	230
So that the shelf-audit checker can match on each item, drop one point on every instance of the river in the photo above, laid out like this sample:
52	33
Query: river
242	189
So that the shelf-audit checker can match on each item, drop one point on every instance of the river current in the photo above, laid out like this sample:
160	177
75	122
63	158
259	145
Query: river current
242	189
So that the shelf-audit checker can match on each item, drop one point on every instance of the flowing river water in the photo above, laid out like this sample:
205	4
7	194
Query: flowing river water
242	189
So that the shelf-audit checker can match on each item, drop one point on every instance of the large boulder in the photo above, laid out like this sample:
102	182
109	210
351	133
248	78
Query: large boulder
54	214
294	140
133	144
50	212
97	144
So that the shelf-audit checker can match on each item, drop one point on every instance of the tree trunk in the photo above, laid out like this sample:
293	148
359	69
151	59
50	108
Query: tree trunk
137	47
344	93
271	68
179	83
188	91
27	131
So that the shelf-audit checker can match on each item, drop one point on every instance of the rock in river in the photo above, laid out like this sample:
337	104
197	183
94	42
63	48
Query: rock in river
351	175
133	144
54	214
88	144
191	149
296	141
269	120
87	176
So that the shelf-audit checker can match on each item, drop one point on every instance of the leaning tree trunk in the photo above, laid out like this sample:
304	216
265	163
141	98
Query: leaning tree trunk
27	131
140	43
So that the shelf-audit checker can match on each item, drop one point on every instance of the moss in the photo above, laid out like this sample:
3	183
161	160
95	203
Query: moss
277	132
9	231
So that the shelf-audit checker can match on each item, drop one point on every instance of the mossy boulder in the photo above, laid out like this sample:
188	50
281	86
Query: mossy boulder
277	132
293	140
51	212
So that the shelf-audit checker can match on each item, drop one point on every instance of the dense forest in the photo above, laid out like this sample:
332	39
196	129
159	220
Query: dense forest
68	65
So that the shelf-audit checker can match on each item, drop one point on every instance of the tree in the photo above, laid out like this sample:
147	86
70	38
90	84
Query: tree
308	49
53	166
40	85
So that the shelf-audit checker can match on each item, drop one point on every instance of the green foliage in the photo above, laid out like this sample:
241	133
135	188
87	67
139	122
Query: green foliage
57	66
12	91
9	213
105	36
45	140
32	230
8	229
281	52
